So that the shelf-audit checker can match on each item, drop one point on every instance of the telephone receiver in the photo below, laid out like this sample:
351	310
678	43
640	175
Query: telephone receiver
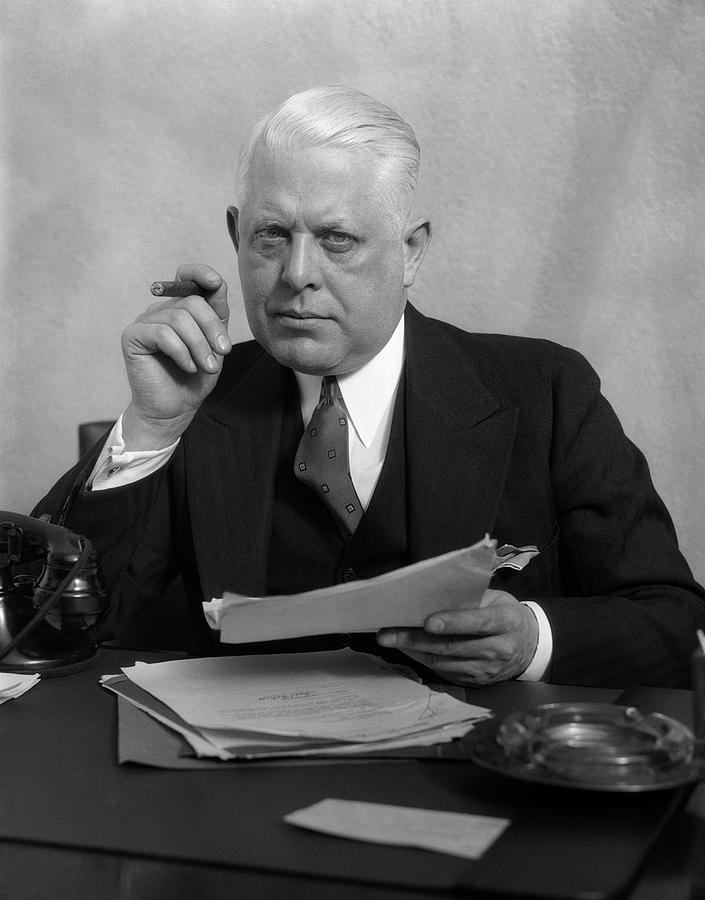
46	622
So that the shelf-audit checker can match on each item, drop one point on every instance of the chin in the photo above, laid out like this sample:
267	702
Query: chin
307	359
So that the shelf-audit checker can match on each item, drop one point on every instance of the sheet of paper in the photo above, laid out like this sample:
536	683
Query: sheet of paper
458	834
131	693
14	685
439	721
369	748
402	598
338	695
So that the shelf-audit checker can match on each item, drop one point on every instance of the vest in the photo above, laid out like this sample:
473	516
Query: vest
307	551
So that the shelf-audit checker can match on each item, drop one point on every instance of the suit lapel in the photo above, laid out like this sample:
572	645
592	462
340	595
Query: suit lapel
459	440
237	445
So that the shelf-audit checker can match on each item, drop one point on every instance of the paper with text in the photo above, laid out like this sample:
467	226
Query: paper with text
335	696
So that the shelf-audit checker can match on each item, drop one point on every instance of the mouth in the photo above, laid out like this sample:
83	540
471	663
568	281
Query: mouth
299	319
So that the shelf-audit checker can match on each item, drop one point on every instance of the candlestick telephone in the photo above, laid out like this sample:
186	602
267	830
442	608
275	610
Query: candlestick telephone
46	622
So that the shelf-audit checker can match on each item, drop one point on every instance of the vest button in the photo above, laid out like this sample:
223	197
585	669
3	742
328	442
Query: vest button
349	575
344	640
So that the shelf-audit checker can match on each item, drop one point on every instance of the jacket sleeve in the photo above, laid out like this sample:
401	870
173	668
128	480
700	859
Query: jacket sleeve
132	531
633	607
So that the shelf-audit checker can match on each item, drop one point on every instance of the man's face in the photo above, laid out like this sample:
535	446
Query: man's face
322	266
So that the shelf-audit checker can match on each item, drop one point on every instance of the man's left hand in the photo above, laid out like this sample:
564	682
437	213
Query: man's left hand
495	642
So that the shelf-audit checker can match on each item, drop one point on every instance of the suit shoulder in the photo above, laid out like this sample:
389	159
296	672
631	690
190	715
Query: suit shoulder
501	352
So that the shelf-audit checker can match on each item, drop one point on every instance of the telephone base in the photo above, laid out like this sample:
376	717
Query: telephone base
49	668
45	651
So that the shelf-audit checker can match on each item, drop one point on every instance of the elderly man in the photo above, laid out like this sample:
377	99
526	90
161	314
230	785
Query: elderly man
447	435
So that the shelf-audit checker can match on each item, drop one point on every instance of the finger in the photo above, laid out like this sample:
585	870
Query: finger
470	672
212	282
195	322
488	620
152	339
417	640
182	341
207	319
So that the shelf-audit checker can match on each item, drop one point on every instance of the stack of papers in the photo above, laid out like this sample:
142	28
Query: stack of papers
335	703
13	686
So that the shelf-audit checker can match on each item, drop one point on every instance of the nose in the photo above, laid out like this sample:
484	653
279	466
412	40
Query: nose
301	268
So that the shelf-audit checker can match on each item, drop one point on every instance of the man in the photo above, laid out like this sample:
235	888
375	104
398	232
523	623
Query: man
453	435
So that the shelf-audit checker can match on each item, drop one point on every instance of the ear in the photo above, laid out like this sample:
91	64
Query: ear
417	237
232	216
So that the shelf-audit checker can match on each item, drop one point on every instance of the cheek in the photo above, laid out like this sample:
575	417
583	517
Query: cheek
382	292
257	275
255	291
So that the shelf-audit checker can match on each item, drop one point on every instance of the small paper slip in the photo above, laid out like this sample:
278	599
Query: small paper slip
13	686
402	598
458	834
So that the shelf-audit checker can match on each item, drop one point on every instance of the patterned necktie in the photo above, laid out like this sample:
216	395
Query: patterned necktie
322	457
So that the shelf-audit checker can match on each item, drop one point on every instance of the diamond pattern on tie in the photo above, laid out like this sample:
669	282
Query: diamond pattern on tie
322	457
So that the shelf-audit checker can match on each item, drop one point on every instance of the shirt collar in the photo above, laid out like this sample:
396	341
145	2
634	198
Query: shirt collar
367	392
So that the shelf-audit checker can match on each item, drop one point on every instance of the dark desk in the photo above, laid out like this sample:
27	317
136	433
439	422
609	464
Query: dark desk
74	824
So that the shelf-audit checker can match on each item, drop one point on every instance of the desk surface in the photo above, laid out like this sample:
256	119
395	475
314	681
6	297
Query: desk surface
75	824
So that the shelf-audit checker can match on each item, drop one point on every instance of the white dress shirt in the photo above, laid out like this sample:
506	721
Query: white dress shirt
369	394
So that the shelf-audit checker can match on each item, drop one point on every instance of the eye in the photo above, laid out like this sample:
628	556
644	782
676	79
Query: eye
338	241
270	235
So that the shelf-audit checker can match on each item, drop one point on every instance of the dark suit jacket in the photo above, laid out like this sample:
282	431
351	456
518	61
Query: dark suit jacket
504	435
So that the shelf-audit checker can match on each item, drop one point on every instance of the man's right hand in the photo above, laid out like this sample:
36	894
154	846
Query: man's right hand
173	356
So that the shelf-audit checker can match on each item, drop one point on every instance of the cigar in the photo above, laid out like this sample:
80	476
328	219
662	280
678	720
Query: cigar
177	289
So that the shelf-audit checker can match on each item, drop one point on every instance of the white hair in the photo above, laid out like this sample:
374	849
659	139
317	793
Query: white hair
338	116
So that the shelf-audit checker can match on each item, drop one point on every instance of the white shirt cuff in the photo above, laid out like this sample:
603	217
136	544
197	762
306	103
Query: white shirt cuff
116	467
544	648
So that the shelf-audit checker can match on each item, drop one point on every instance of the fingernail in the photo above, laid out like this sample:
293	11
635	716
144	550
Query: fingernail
222	342
435	625
387	640
213	278
211	362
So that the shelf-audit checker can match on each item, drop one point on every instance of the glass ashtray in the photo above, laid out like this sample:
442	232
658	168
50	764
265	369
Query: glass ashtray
598	746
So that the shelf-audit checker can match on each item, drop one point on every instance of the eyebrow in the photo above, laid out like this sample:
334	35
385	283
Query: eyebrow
336	225
285	221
